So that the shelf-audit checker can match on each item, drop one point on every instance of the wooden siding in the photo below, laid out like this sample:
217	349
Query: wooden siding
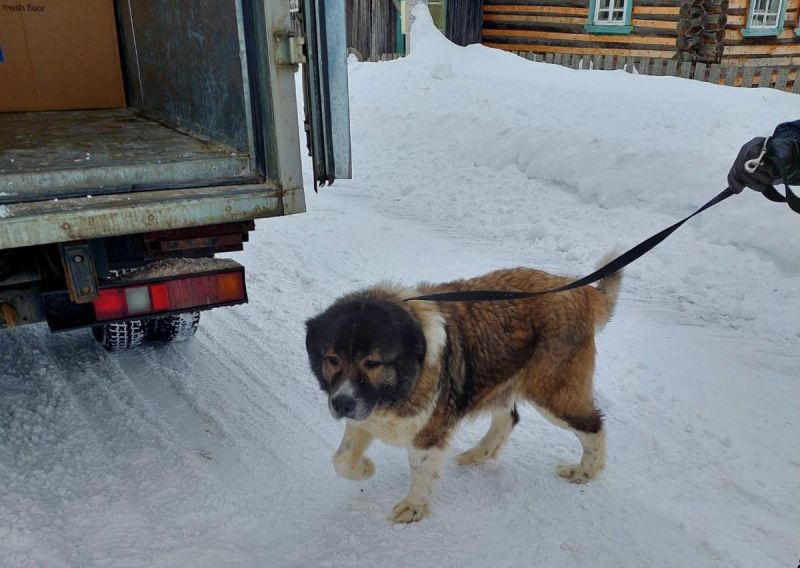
557	26
783	50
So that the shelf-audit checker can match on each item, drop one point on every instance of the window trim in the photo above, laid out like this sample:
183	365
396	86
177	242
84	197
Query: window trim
593	27
747	31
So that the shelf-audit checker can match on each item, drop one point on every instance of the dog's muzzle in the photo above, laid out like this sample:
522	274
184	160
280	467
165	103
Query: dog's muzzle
343	406
344	403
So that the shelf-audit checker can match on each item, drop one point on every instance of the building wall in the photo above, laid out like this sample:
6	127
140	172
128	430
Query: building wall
708	31
748	51
557	26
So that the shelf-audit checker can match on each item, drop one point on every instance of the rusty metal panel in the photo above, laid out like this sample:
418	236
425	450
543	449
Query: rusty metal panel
22	306
79	270
43	222
210	239
185	63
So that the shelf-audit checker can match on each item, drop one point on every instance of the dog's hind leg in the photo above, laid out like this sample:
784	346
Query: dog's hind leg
589	431
592	460
349	460
503	421
565	398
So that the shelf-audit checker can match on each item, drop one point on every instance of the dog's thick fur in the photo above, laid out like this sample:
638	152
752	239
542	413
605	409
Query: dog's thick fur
408	372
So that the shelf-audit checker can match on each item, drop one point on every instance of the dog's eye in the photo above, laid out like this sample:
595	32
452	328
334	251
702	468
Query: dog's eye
332	360
372	364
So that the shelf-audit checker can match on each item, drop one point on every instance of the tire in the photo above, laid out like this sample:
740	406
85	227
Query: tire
121	336
172	329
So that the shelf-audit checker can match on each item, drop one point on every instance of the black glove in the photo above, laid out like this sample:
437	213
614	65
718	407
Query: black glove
783	154
765	175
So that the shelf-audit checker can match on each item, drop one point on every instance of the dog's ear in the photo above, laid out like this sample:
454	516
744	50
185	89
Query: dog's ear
312	336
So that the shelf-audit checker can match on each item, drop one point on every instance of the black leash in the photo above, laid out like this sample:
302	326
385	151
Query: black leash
792	200
617	264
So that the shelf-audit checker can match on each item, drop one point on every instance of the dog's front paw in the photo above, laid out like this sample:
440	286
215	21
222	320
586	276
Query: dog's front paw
407	512
574	473
361	470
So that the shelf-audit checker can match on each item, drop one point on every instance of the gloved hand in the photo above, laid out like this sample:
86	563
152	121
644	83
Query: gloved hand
765	175
781	158
783	154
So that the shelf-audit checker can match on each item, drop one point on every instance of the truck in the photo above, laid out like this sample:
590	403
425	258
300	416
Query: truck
112	219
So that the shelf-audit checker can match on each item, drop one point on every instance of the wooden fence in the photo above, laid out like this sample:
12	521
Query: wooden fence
371	27
781	78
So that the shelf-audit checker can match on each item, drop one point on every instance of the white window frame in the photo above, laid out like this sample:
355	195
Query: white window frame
764	13
610	9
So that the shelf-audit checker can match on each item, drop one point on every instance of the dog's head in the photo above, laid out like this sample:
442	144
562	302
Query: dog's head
366	353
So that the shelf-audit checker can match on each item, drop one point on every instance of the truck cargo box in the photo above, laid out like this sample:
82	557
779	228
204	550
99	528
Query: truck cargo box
209	141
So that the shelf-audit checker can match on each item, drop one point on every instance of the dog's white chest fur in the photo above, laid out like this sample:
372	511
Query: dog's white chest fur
393	429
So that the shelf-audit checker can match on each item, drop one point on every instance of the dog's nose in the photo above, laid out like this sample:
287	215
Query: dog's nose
343	405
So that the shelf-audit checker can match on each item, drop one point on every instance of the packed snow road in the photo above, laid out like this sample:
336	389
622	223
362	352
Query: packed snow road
217	452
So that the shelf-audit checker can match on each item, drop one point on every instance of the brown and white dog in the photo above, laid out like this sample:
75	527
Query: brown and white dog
408	372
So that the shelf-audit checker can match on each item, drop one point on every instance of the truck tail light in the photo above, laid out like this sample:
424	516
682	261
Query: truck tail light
110	303
140	299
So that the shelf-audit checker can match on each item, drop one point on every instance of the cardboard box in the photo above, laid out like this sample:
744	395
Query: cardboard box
58	55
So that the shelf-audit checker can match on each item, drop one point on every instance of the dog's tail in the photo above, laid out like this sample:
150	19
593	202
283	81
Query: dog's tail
609	286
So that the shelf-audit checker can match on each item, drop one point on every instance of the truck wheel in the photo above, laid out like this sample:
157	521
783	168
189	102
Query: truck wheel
171	329
121	336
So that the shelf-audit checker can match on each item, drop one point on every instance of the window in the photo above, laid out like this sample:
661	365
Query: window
610	13
609	17
765	18
765	13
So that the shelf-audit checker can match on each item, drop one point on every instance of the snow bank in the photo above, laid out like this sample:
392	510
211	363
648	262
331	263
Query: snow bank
4	212
616	139
553	167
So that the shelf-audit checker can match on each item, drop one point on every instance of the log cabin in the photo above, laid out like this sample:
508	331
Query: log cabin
753	33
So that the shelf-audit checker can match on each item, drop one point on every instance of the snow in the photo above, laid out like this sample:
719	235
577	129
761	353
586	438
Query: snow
180	266
4	212
216	452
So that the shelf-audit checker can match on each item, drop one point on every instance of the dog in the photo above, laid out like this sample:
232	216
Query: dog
409	371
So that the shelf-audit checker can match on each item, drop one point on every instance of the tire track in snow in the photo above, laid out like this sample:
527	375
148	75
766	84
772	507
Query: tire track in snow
74	394
125	429
125	456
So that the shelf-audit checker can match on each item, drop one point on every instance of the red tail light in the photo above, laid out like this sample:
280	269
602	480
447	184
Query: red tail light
110	303
173	295
159	296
